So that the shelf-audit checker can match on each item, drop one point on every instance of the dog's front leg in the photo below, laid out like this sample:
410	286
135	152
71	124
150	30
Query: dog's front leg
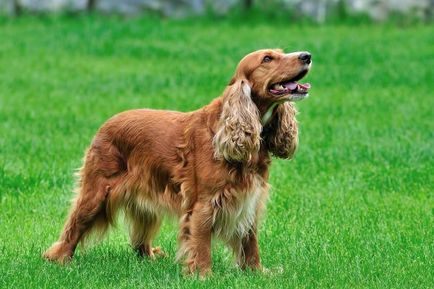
246	250
250	251
196	236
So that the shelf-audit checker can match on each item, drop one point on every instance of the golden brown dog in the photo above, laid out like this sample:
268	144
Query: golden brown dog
207	167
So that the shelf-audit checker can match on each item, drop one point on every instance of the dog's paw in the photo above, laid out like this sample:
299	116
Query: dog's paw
156	252
191	269
150	252
59	252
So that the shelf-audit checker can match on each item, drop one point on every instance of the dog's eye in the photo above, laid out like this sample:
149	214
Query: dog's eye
267	59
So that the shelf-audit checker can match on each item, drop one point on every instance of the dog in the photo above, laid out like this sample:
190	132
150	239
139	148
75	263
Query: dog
209	167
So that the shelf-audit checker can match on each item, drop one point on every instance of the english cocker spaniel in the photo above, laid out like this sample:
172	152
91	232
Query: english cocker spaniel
209	167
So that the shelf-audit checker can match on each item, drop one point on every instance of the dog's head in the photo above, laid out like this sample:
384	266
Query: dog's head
273	75
262	78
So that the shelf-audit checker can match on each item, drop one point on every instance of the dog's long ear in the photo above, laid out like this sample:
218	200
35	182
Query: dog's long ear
239	127
282	139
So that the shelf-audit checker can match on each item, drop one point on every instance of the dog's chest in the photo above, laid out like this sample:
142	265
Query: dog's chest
235	211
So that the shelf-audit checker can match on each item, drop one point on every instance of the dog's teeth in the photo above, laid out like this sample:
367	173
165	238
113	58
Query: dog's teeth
277	86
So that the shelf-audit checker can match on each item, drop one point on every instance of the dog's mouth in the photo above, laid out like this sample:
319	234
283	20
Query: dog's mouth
290	89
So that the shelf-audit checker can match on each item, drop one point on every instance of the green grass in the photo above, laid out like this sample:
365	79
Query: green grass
354	209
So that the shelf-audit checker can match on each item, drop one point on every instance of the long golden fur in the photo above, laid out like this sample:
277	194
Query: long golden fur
208	167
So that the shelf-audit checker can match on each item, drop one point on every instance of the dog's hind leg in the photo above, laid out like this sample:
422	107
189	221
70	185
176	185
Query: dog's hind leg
89	211
144	226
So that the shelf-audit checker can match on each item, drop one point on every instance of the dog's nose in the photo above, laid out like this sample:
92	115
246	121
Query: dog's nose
305	57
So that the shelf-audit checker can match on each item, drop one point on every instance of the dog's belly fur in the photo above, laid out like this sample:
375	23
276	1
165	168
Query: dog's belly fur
234	212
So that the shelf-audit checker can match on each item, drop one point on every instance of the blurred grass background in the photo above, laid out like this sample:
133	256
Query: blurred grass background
354	209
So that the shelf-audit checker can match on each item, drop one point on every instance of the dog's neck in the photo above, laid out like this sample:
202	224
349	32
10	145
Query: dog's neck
269	113
267	108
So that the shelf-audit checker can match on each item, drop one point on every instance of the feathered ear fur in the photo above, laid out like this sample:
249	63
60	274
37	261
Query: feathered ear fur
239	127
282	139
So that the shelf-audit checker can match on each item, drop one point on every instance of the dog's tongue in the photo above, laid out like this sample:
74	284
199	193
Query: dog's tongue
292	85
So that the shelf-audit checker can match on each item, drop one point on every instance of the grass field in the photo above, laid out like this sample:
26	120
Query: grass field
354	209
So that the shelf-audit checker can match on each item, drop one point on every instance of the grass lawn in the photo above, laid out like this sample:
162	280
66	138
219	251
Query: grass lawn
354	209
